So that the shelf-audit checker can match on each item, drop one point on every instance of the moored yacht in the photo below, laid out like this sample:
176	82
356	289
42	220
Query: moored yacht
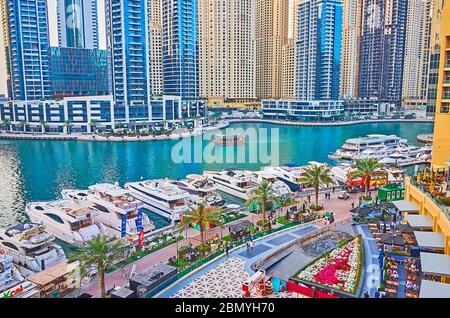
278	186
70	221
234	182
200	189
289	174
162	197
31	247
118	208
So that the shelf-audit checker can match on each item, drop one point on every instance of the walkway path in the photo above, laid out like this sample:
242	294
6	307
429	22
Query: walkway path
340	208
371	266
323	124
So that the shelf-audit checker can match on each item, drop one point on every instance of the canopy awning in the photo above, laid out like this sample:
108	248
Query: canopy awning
406	206
429	239
435	264
420	221
430	289
240	226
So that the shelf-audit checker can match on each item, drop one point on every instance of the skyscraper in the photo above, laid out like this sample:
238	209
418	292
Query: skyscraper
77	24
382	49
127	43
288	70
180	48
27	46
226	50
431	65
271	34
155	47
318	55
413	49
351	33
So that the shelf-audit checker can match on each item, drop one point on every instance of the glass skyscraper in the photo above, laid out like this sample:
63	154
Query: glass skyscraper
27	46
127	43
180	48
383	49
79	72
318	56
77	23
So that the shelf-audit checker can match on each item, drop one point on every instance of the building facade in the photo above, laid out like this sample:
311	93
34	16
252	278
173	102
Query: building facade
80	112
79	72
226	51
180	48
318	49
434	55
302	110
77	23
413	49
27	47
288	70
155	43
127	43
351	34
271	34
382	49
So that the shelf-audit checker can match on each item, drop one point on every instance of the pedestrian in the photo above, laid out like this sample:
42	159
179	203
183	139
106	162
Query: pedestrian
226	250
124	271
251	244
366	295
248	245
353	205
334	189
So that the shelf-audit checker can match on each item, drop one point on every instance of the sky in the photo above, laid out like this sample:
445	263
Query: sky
53	22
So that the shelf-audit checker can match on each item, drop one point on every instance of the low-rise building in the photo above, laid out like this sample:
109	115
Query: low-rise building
302	110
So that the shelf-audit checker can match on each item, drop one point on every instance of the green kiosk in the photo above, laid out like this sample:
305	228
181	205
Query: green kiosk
391	192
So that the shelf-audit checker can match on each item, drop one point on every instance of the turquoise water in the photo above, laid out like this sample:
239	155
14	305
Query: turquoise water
39	170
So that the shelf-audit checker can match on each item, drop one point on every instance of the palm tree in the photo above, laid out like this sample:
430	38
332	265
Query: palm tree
7	123
263	195
202	216
102	251
365	168
23	123
315	176
67	124
93	124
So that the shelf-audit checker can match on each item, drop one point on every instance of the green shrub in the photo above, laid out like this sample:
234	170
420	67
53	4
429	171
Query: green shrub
316	208
445	201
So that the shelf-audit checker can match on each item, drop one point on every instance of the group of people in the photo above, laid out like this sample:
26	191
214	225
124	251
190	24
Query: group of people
412	271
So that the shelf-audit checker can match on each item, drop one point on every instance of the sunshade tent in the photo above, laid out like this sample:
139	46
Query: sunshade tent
431	289
429	240
435	264
405	229
406	206
239	226
388	205
423	222
390	239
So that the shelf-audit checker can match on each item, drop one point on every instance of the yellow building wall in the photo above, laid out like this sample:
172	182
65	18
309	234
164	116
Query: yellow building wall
441	139
220	103
441	222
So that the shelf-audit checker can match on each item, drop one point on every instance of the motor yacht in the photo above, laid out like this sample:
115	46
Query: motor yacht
31	247
278	186
118	208
200	189
70	221
161	196
237	183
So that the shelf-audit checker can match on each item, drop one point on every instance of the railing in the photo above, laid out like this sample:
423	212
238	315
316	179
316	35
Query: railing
444	209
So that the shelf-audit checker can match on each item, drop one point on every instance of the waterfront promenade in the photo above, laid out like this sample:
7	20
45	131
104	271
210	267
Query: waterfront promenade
326	124
341	209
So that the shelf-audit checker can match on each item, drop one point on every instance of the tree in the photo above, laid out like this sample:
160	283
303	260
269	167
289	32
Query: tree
23	123
7	123
365	168
202	216
263	195
102	251
93	124
315	176
67	124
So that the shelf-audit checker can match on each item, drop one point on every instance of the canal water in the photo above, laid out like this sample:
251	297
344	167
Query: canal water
39	170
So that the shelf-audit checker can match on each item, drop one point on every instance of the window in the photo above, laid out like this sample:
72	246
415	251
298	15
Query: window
54	217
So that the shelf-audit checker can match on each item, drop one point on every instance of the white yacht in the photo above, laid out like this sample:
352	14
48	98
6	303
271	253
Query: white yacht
162	197
30	247
278	186
355	146
234	182
118	208
289	174
9	274
70	221
200	189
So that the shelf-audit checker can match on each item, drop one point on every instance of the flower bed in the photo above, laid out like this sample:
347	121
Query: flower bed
339	269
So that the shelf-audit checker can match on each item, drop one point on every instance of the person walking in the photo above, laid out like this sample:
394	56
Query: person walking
227	250
366	295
